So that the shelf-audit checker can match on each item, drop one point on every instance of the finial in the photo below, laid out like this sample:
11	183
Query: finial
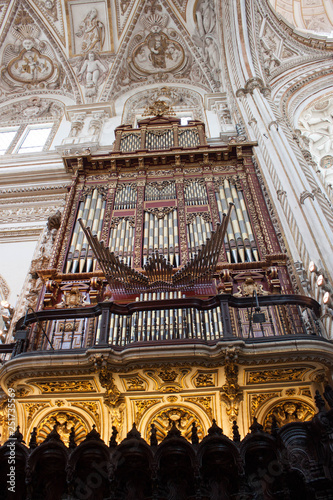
328	395
134	433
17	435
235	432
215	429
113	438
33	439
320	403
274	426
72	444
256	427
194	435
153	437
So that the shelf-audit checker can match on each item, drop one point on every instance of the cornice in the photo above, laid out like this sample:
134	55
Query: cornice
21	234
269	352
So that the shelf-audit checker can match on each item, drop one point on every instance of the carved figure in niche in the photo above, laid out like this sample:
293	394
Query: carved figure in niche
205	37
92	31
157	43
212	56
206	19
91	70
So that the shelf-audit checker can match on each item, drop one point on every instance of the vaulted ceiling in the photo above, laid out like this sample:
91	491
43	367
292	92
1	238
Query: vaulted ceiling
93	51
307	15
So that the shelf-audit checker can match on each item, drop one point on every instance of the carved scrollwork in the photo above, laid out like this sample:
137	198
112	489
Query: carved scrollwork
204	215
160	212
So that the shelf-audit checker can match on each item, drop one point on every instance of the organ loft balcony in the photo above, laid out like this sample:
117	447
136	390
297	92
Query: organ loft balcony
166	241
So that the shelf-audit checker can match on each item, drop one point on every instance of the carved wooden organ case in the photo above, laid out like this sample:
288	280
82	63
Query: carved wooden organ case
155	202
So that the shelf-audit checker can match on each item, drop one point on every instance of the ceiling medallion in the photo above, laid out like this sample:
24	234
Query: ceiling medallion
159	51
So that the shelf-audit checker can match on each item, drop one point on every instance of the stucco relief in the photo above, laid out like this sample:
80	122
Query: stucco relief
91	73
91	38
207	39
275	51
179	99
316	127
28	62
52	10
123	10
156	49
34	108
92	32
312	15
89	24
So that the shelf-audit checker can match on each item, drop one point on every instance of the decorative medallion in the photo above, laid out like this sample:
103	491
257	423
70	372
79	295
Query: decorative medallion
29	62
159	51
30	66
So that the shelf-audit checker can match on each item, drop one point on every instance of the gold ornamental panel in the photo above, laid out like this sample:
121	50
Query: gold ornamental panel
66	386
182	417
277	375
258	400
204	379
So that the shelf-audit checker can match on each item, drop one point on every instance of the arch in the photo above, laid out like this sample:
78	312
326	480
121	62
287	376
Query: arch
179	98
220	465
67	418
189	413
45	462
286	410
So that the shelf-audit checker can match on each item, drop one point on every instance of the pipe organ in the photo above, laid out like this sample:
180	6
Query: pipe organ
240	243
91	210
161	234
156	202
161	222
167	269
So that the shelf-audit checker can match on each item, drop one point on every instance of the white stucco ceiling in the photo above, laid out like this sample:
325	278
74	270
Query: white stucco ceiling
307	15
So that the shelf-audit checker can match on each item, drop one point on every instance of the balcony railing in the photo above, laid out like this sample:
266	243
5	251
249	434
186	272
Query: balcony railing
187	320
